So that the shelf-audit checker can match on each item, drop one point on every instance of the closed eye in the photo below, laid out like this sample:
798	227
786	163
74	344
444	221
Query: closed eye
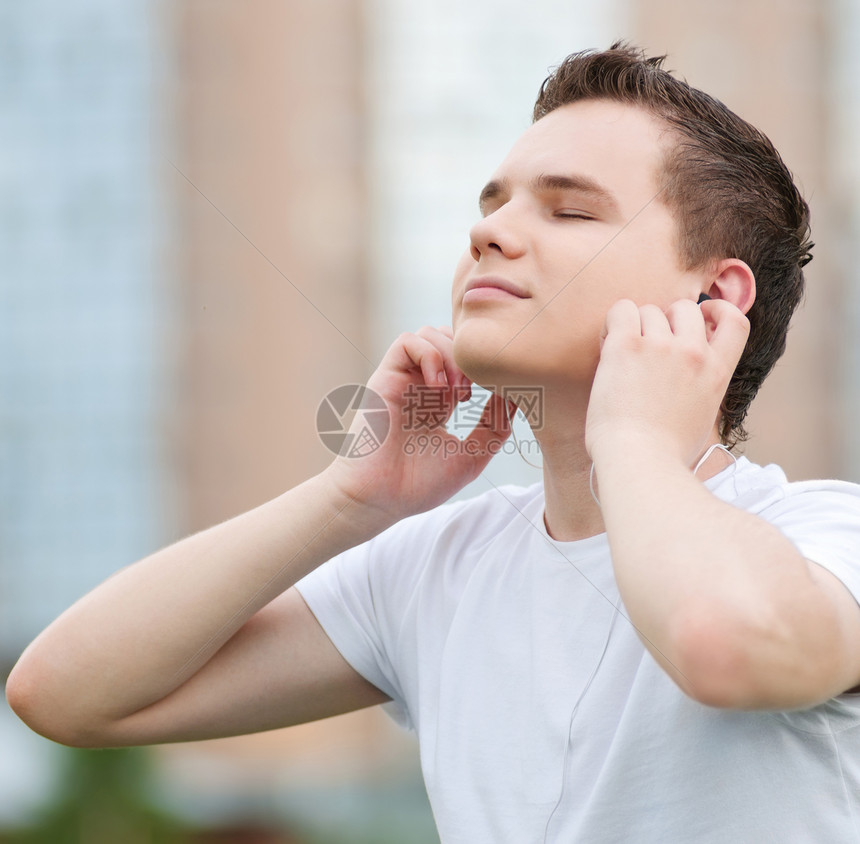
574	215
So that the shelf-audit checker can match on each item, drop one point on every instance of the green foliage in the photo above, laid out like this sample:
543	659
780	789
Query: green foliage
107	797
102	798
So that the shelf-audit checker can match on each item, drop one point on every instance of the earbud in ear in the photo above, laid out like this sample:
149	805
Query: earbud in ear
703	297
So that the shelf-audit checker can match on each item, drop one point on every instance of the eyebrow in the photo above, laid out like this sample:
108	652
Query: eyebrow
549	182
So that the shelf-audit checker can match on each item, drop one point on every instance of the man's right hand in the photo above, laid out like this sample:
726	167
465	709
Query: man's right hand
420	465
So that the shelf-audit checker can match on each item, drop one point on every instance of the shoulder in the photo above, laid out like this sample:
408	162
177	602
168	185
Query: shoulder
821	517
765	490
467	523
446	538
496	505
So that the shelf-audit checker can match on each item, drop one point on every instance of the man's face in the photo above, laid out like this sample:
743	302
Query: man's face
572	222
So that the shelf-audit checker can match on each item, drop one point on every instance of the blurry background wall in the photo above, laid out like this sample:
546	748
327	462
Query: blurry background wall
780	70
213	212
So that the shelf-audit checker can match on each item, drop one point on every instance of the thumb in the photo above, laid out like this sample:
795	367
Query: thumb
494	424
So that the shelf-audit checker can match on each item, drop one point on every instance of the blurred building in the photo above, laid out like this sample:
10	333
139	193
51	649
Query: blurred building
781	71
85	485
83	479
212	213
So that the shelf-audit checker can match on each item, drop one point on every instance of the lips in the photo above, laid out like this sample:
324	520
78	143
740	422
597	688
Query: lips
496	283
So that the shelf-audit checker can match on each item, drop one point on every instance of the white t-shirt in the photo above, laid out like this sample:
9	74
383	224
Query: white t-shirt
539	714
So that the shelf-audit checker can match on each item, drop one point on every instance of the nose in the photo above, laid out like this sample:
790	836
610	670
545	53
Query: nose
498	232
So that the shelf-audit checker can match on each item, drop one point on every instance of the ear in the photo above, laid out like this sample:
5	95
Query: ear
733	280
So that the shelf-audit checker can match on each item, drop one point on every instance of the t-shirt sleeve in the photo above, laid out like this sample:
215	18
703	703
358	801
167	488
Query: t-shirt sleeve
822	519
387	605
340	595
364	600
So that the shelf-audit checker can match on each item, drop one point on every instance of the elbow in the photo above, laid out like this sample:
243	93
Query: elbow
715	659
36	707
24	699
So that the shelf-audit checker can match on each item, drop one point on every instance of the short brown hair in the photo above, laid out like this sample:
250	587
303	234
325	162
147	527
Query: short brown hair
729	189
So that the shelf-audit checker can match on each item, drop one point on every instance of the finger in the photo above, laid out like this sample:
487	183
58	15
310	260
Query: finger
442	338
445	347
686	319
464	393
653	322
728	328
410	352
463	381
494	424
622	319
434	335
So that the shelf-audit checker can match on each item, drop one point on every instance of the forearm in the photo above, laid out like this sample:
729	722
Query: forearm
707	585
146	630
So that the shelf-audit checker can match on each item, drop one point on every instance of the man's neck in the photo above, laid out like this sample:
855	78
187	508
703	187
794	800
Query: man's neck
572	511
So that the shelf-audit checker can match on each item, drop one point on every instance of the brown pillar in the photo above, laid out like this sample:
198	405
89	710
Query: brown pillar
271	206
271	201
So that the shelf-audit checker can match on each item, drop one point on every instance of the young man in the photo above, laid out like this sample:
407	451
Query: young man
658	643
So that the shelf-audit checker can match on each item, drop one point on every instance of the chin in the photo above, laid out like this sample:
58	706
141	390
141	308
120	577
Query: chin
489	362
489	358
